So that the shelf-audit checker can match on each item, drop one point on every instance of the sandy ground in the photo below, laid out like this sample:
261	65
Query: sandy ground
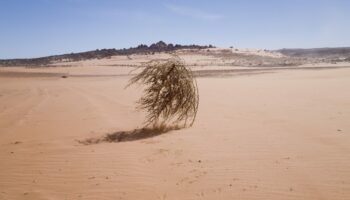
281	135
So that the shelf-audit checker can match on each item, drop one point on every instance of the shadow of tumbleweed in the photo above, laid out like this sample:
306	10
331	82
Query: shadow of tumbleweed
136	134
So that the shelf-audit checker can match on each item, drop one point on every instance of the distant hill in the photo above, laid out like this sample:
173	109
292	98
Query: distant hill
99	54
318	52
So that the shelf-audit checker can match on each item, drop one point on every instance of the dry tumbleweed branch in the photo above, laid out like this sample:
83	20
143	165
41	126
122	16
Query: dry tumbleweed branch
171	92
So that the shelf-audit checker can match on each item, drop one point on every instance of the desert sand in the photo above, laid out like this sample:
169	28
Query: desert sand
273	134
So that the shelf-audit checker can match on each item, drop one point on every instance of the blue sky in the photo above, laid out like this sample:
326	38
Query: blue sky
32	28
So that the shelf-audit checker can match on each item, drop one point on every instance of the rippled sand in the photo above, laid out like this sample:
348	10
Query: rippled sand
284	134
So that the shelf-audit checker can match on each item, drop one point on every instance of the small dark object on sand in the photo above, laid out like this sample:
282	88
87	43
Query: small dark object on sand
64	76
17	142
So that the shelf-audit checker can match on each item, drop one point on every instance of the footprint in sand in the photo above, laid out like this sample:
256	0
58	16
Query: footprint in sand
194	176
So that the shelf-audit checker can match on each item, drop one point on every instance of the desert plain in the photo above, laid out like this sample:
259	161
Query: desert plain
261	132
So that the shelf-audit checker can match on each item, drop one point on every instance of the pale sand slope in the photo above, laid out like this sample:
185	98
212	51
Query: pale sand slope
283	135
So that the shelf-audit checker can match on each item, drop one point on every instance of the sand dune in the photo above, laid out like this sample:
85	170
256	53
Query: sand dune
281	135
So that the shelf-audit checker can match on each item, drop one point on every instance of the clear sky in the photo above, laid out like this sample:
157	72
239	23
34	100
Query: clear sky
32	28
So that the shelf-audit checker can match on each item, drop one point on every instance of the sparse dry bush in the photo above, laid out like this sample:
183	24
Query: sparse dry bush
170	93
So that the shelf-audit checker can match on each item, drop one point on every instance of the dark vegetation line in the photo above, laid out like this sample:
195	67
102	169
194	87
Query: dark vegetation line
317	52
100	54
339	54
